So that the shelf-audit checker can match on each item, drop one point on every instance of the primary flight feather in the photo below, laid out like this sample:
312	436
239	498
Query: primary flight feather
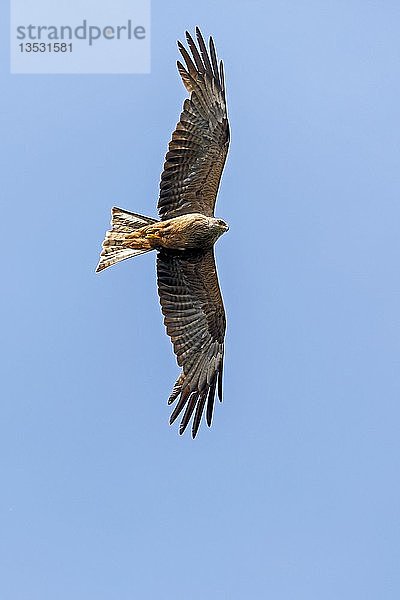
184	238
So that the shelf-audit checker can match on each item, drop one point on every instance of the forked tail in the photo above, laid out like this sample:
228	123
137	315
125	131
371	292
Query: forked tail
115	249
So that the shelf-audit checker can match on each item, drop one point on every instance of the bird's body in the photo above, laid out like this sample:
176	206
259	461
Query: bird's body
188	287
187	232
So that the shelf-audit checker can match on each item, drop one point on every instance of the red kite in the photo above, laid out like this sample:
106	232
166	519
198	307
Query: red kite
185	235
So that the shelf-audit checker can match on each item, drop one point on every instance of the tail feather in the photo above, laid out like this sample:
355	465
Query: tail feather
114	246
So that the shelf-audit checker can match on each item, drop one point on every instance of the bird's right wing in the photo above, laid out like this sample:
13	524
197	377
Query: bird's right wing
194	314
199	146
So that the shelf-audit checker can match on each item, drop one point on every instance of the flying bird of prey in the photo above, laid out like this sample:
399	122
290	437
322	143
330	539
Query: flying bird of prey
185	235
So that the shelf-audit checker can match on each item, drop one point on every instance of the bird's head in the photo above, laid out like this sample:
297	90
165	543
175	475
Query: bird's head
216	227
220	226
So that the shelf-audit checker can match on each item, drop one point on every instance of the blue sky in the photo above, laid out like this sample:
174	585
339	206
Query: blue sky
294	492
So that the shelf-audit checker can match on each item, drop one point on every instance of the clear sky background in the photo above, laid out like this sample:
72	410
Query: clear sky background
294	493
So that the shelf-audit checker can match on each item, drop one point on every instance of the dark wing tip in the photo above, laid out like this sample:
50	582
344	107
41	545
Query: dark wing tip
193	402
195	54
210	402
202	65
199	412
220	372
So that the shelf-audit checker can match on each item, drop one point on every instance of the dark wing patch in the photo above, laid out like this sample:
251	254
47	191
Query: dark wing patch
199	146
194	316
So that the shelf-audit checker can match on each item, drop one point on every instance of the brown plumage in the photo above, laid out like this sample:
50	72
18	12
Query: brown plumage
187	278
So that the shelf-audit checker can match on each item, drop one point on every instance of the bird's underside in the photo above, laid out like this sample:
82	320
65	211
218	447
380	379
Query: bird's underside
186	232
184	238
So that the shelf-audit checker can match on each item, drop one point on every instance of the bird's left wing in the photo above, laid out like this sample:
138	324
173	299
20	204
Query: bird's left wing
194	314
199	146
